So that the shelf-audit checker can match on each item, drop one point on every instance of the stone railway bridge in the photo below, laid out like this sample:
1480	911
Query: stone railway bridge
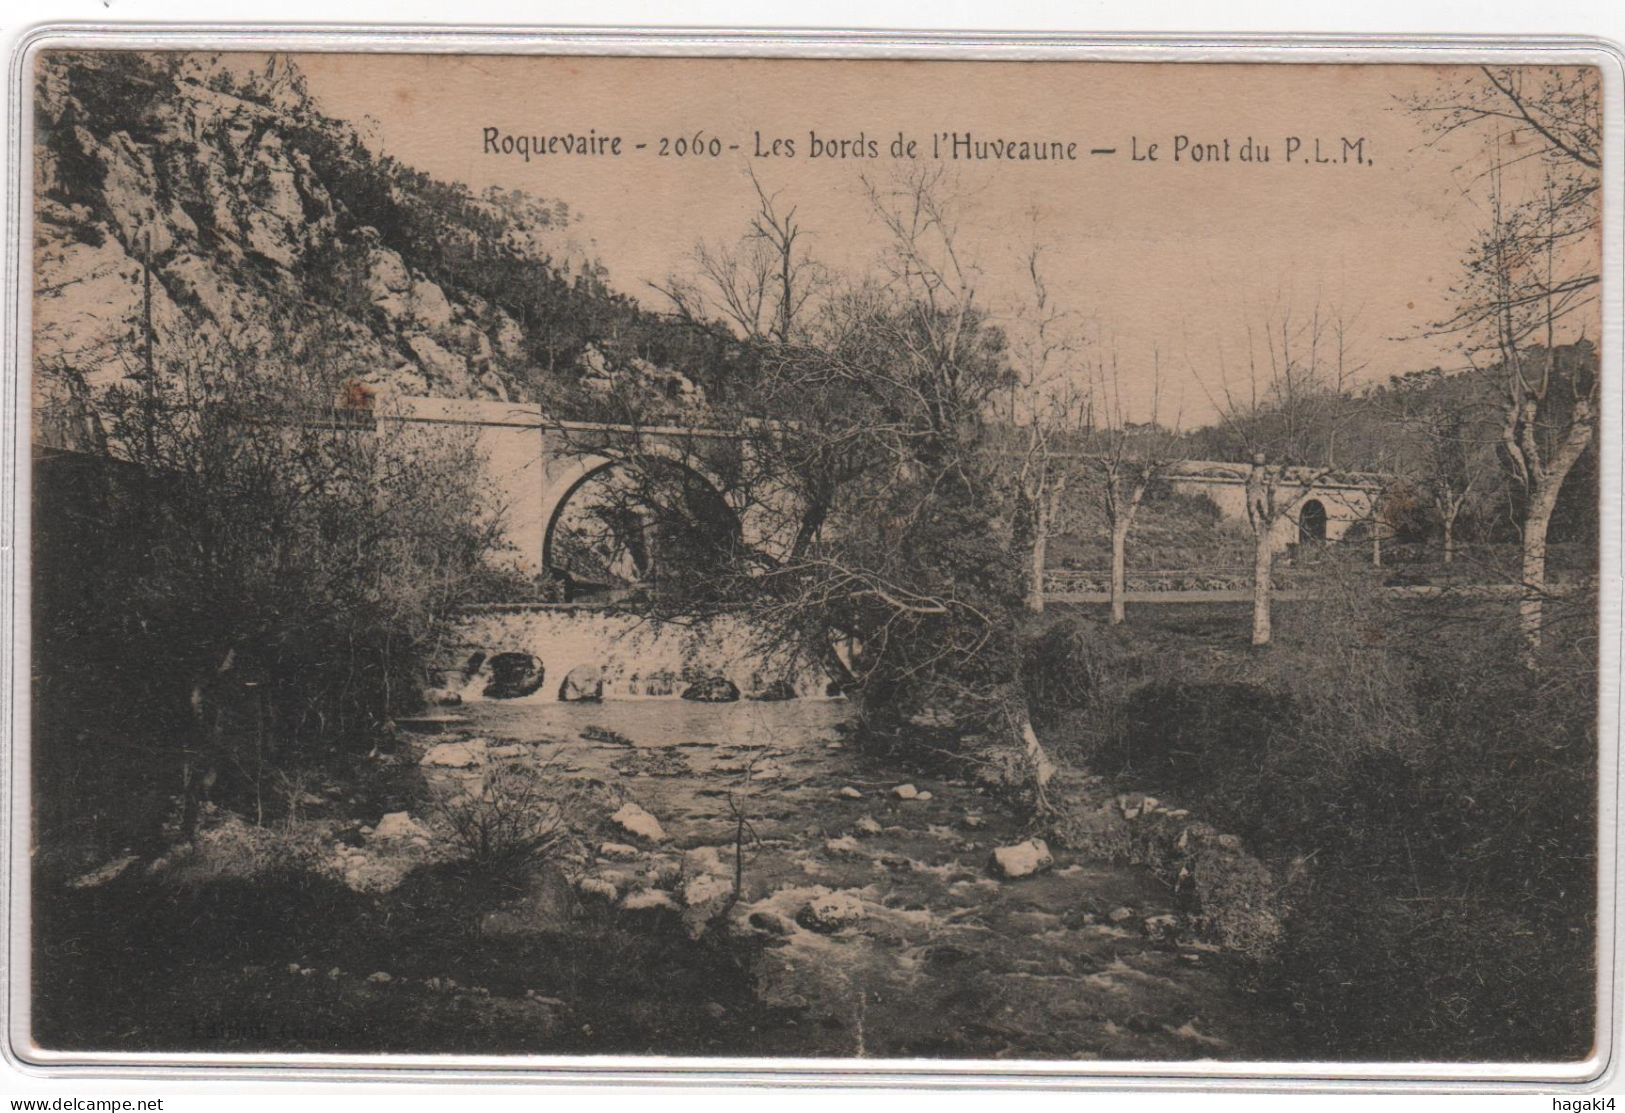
539	467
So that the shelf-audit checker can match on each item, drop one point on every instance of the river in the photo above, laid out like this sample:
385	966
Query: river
945	960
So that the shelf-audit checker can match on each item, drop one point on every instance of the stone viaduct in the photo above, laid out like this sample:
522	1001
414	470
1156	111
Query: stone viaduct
536	464
1320	506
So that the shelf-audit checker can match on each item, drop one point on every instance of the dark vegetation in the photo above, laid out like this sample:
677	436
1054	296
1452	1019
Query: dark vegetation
205	967
240	600
1432	803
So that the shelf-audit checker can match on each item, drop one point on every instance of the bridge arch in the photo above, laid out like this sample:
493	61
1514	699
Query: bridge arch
1312	519
626	518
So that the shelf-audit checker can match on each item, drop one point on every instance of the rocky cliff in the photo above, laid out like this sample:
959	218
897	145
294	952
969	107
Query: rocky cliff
251	207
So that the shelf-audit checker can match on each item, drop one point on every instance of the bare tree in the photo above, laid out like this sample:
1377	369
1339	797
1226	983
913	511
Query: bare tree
1048	411
1126	458
886	566
1451	445
1530	280
762	285
1285	425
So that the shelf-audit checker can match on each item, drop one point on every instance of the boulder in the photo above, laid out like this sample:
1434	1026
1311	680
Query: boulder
428	305
851	793
905	792
456	755
648	900
635	821
600	887
619	851
713	689
514	675
774	923
704	899
831	912
443	369
867	825
387	273
398	826
705	860
1022	860
442	697
583	684
1164	926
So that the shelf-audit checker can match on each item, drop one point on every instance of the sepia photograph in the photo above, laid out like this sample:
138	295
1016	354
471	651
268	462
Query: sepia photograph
779	559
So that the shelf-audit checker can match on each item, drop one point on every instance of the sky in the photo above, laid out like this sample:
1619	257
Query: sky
1162	259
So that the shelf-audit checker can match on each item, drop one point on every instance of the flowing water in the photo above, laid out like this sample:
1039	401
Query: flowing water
634	657
944	960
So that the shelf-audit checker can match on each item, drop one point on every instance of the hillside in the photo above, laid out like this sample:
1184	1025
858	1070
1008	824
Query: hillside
254	207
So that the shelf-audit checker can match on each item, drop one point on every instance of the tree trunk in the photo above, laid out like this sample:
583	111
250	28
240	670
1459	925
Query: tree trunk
1536	524
1043	768
1035	569
1449	538
1538	520
1119	572
1263	560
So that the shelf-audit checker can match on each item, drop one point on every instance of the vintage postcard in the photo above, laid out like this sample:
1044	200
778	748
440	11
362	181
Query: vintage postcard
1071	562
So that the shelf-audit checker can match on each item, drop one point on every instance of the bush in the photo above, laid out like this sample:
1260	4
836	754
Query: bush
1185	735
1441	795
1365	972
1061	670
520	814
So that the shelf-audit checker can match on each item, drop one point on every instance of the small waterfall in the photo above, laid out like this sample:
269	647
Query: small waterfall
637	658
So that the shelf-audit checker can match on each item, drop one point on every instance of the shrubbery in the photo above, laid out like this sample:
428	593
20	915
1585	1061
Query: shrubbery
518	814
1442	796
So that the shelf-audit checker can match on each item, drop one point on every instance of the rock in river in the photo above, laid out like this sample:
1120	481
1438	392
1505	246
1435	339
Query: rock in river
648	900
831	912
1023	859
598	887
772	922
635	821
